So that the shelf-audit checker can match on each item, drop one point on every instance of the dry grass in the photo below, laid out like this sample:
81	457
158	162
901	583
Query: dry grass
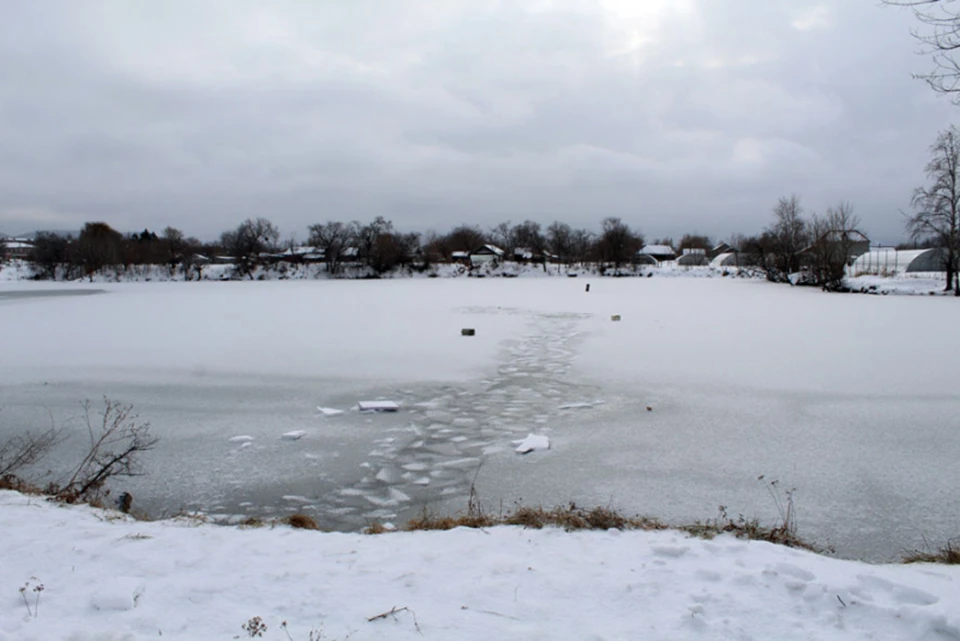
302	522
472	519
569	518
15	483
251	522
375	528
949	554
747	529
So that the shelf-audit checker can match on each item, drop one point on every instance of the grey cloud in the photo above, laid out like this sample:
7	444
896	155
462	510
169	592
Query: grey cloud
696	116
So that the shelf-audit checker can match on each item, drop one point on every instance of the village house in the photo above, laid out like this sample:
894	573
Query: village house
15	249
486	254
659	253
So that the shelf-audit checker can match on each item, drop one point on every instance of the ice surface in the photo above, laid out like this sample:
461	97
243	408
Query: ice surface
832	395
293	435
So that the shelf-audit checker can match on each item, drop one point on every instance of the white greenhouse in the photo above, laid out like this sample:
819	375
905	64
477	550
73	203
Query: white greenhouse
729	259
887	261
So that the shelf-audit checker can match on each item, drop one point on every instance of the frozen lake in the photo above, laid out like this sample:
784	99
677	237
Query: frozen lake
849	399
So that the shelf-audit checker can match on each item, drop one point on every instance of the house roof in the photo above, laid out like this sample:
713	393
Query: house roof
658	250
489	249
300	251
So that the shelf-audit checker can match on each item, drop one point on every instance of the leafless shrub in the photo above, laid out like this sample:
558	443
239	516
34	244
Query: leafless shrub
23	450
117	440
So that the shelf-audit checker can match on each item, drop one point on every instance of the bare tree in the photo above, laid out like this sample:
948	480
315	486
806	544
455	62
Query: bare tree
465	238
527	235
99	245
333	238
252	238
782	244
582	244
173	241
695	241
561	242
23	450
939	36
618	244
117	441
502	236
50	252
835	236
937	206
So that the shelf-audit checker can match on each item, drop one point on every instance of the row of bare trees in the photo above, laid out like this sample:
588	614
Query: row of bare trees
812	250
377	246
98	246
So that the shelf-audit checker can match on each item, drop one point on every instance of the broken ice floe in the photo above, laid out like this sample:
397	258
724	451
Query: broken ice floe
329	411
579	406
240	439
532	443
295	435
377	406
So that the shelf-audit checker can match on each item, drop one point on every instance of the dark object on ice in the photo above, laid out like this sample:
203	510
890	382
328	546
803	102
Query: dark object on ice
125	502
468	331
588	287
615	318
649	409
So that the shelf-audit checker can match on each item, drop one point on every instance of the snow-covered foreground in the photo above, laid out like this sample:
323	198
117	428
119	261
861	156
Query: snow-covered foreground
849	399
114	579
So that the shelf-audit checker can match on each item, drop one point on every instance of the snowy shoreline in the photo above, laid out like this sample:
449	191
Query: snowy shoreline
106	576
926	284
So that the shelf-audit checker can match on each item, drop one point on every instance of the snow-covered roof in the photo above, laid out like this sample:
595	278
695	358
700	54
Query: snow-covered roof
460	254
658	250
18	244
523	252
489	249
300	251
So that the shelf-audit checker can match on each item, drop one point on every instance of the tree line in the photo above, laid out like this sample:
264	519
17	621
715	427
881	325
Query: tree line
377	246
782	249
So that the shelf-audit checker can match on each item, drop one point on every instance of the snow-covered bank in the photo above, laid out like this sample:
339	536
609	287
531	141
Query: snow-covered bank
922	285
106	577
905	284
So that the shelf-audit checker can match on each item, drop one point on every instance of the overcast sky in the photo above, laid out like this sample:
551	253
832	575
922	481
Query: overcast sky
675	115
